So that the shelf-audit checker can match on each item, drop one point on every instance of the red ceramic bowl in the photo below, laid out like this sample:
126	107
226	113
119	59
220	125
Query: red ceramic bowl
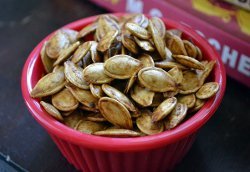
160	152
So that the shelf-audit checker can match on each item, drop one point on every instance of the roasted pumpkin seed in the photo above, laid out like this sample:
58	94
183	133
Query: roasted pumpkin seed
94	74
89	127
156	79
96	90
177	115
189	62
207	90
81	51
117	133
188	100
142	96
137	31
114	69
115	112
164	109
64	100
52	110
106	41
75	75
47	62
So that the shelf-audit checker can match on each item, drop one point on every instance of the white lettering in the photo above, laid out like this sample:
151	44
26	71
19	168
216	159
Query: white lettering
214	43
228	57
155	12
134	6
244	65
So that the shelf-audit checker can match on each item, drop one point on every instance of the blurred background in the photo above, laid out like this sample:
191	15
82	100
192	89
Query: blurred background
222	145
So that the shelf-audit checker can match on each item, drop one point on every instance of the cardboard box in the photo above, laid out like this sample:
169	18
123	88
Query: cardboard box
223	32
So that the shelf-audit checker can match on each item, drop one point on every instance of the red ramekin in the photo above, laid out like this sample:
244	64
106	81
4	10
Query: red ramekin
88	153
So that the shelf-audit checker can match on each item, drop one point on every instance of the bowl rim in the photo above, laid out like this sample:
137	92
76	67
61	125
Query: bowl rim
185	129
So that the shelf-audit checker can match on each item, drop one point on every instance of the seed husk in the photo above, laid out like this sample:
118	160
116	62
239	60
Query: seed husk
207	90
129	42
66	53
177	115
47	62
137	31
96	117
190	83
169	65
81	51
96	90
190	48
147	60
130	83
48	85
159	25
114	69
117	133
176	74
198	105
71	34
106	41
52	110
115	112
119	96
176	46
64	100
83	96
188	100
158	40
156	79
142	96
189	62
164	109
145	124
94	74
93	52
144	44
75	75
56	44
87	30
89	127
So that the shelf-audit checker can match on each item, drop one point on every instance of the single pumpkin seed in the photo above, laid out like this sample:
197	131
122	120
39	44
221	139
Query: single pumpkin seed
106	41
129	42
164	109
89	127
159	25
114	69
64	100
188	100
190	83
56	44
89	109
176	46
144	44
147	60
145	124
158	40
49	84
81	51
190	48
96	117
115	112
119	96
93	52
176	74
198	105
66	53
156	79
130	83
189	62
71	34
117	133
142	96
137	31
52	110
47	62
207	90
177	115
96	90
87	30
83	96
169	65
75	75
94	74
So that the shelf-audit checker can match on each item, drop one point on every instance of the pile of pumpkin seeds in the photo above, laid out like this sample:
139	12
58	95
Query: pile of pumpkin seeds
123	77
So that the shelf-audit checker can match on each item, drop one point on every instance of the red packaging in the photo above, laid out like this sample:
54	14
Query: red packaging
224	33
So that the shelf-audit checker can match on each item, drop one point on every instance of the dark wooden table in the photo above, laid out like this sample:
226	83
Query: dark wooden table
223	144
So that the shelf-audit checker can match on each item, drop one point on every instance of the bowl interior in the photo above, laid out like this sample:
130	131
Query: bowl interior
33	70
